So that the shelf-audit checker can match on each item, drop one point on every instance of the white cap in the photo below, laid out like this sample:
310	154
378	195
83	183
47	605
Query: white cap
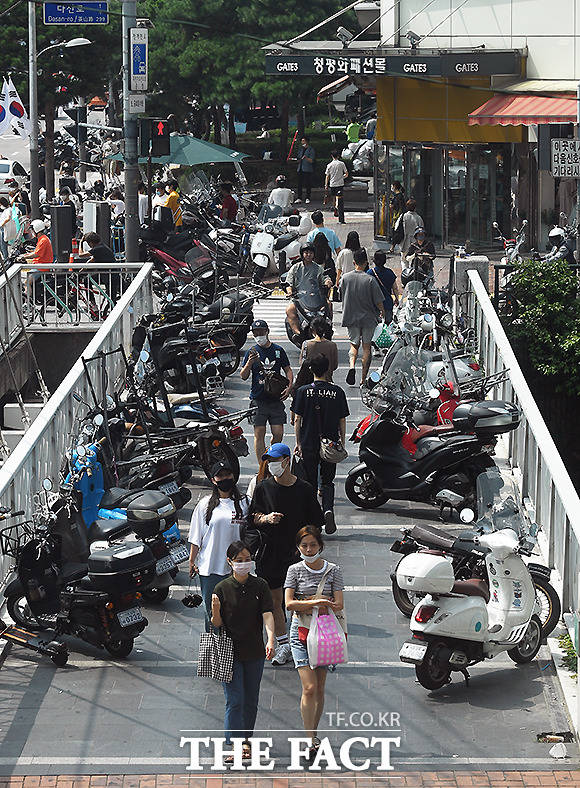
38	225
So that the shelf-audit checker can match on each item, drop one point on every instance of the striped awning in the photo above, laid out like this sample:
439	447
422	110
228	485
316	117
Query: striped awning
529	110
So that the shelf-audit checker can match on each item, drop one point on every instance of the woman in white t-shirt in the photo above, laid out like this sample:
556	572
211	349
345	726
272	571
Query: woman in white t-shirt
345	258
215	524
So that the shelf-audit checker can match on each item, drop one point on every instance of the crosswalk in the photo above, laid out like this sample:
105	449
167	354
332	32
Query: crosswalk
273	311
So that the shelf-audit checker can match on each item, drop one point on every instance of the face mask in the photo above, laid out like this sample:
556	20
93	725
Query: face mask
225	485
244	567
262	340
310	559
276	468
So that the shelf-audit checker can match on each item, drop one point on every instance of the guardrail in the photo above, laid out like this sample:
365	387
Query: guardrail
39	454
9	322
545	486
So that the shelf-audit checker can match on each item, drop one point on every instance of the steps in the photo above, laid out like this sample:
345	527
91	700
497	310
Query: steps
14	428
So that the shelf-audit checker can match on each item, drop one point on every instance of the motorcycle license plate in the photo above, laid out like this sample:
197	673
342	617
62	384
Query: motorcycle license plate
413	652
164	565
129	617
179	554
170	488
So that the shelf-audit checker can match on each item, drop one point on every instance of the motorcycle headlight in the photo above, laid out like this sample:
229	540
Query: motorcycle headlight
447	321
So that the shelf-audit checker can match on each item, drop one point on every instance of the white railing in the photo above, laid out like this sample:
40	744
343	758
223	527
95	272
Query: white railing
545	486
9	322
39	454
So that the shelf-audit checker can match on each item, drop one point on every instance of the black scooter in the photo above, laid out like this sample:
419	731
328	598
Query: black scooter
445	464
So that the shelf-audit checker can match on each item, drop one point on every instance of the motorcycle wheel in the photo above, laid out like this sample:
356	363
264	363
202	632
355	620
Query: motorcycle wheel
529	645
229	369
550	603
404	600
20	612
223	453
119	648
155	595
362	490
432	673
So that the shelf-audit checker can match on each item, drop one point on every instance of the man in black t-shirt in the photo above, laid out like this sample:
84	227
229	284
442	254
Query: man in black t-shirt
281	506
320	410
100	253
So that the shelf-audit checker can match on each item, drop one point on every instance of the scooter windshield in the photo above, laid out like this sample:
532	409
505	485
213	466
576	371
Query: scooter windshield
269	212
406	375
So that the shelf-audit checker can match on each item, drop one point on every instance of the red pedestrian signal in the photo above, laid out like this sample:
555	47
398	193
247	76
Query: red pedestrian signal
160	139
160	129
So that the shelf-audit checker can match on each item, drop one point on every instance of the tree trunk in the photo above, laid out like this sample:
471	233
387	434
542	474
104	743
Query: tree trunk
205	124
49	143
284	110
231	128
217	125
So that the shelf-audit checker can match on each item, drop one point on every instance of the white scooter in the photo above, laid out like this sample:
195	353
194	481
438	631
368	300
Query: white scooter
461	623
276	245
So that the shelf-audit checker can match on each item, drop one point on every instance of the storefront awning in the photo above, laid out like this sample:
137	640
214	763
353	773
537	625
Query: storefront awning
333	87
527	110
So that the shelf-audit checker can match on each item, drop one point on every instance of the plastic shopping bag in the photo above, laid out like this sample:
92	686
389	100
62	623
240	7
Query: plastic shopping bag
326	641
382	336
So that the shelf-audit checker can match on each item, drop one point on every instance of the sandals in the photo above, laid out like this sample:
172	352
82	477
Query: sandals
313	749
246	754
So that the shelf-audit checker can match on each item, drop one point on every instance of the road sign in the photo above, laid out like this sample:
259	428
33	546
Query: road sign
565	158
89	13
139	57
136	103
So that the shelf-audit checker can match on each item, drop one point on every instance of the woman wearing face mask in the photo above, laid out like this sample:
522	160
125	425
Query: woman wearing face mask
242	604
302	581
215	524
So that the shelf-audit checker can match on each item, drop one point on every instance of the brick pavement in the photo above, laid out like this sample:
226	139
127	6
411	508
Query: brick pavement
452	779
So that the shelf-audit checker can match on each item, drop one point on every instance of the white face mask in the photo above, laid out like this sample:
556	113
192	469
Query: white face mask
263	340
276	468
244	567
310	559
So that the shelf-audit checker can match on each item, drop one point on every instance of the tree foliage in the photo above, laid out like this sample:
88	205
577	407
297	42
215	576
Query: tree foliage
545	324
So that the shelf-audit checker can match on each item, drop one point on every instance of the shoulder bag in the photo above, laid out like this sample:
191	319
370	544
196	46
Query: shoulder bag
274	383
305	619
330	450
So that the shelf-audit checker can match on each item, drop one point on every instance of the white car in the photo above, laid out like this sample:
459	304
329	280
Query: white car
11	170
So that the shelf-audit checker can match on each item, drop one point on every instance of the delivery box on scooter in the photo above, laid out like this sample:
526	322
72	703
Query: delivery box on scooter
122	568
487	418
425	573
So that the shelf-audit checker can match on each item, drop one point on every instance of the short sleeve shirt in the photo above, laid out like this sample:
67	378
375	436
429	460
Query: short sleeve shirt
242	607
332	238
304	580
273	357
43	251
332	404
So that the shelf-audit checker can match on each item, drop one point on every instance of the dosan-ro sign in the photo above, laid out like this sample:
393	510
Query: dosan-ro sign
565	158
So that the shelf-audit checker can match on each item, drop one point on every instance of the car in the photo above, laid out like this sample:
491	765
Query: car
11	170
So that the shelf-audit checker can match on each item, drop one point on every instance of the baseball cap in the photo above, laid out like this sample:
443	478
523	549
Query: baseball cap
276	451
219	467
419	231
38	225
260	325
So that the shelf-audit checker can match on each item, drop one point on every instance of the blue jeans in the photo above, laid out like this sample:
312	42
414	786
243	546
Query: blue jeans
208	583
242	694
3	246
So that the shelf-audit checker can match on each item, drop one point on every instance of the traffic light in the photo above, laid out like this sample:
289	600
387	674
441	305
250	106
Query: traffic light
78	115
159	137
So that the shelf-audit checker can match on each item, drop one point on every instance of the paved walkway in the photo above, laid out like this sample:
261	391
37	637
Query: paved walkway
107	717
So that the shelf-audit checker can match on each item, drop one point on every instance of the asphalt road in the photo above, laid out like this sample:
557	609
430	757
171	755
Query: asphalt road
98	715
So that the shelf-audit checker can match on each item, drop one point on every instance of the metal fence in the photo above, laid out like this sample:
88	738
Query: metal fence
39	454
545	485
10	304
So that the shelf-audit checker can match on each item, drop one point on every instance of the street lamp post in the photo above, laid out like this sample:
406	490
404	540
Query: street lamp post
33	100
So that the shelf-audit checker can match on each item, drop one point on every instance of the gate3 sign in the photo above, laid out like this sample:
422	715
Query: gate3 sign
565	158
464	64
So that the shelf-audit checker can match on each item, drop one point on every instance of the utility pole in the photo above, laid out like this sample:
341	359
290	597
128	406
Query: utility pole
130	140
82	150
578	185
33	103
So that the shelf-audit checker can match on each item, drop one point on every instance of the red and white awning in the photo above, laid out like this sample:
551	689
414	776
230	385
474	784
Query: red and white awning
529	110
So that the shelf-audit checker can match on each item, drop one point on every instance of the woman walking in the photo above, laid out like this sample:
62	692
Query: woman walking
387	280
215	524
411	221
323	255
396	208
242	604
345	259
320	344
302	581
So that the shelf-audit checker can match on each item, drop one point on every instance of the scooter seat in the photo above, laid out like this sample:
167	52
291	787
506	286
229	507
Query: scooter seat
425	430
103	530
434	537
284	240
71	572
471	587
114	497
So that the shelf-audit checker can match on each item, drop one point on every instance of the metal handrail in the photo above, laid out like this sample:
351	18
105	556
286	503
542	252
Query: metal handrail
40	451
545	485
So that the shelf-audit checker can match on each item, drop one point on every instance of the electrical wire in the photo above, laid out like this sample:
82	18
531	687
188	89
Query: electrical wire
445	20
10	8
420	11
324	22
374	22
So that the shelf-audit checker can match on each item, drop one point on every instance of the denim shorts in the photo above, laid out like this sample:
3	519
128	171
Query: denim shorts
299	650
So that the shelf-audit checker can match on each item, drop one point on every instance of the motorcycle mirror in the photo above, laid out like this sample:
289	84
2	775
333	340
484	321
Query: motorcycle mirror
433	393
87	429
144	355
169	298
98	420
81	451
495	225
226	312
110	402
467	516
47	484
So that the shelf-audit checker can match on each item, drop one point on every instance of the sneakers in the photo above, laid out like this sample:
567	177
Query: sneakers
329	522
350	376
307	201
298	200
283	654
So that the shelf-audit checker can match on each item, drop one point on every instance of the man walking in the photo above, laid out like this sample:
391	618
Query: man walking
306	156
265	357
318	221
362	302
336	172
320	410
281	506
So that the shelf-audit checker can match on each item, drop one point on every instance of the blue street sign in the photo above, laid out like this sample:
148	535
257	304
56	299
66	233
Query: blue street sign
86	13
